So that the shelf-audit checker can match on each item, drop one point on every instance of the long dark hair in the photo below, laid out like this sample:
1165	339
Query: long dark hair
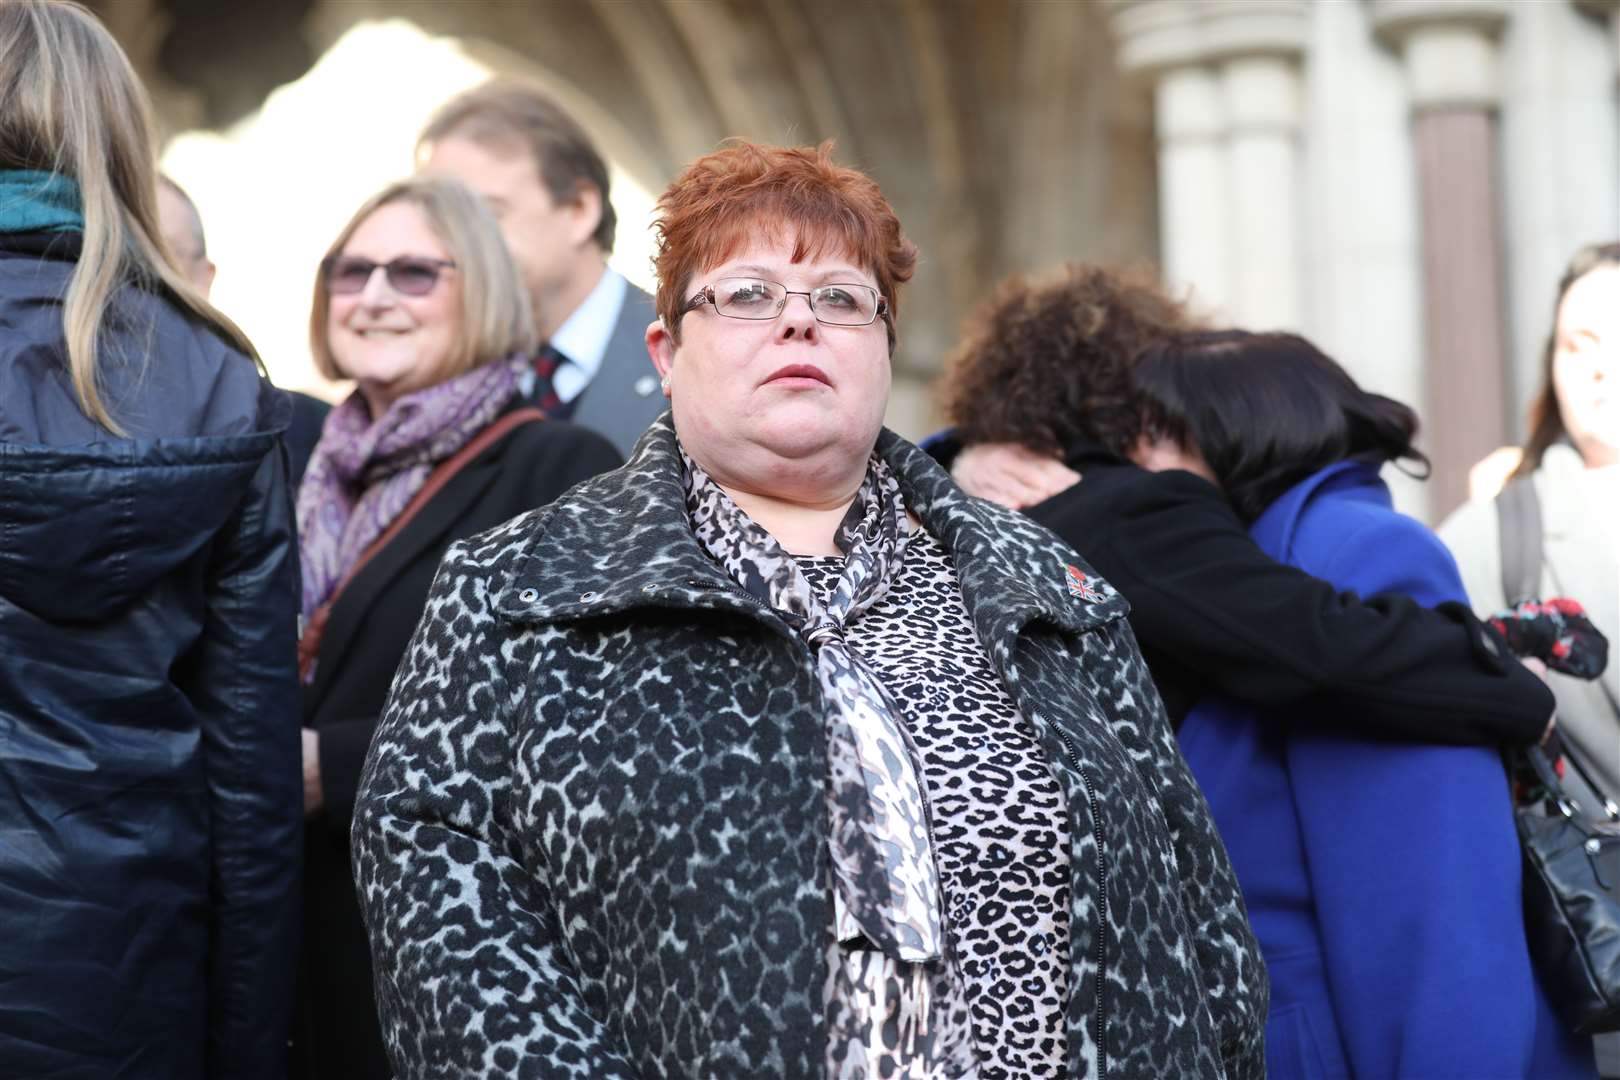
1546	421
1266	411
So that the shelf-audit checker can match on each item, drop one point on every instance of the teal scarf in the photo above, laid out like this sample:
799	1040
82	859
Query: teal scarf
32	201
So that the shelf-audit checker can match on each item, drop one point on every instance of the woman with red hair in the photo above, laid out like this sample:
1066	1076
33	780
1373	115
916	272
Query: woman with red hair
771	754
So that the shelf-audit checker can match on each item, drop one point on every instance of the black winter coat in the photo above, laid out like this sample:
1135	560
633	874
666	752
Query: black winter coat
150	818
591	839
370	625
1213	611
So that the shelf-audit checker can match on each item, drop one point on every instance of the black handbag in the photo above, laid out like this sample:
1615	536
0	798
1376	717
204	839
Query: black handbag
1572	897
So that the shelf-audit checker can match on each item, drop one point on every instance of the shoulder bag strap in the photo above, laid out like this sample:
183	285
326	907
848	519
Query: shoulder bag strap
1518	516
309	642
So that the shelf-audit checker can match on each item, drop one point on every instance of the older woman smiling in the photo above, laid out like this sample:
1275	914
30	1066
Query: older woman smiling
419	303
771	754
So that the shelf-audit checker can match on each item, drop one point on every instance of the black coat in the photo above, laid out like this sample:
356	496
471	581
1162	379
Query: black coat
308	414
592	834
366	635
149	796
1212	611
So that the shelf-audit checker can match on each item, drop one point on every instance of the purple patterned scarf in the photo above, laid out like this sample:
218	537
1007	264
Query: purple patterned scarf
363	473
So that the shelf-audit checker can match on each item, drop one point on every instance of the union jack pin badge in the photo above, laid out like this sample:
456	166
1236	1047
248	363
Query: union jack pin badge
1080	585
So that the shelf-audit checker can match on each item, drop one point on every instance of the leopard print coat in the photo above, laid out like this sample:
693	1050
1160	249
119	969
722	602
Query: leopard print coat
591	836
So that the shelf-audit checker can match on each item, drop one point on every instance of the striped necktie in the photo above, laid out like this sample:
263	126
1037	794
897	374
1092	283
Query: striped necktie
544	395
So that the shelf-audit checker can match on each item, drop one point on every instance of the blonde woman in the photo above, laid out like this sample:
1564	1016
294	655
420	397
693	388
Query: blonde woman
418	302
149	817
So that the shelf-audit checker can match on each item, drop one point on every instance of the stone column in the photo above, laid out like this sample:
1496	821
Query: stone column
1449	48
1264	170
1194	208
1226	95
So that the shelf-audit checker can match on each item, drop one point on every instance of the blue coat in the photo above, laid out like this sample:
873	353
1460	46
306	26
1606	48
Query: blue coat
1382	878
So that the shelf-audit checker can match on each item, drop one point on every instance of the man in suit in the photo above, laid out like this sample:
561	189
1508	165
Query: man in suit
182	229
548	187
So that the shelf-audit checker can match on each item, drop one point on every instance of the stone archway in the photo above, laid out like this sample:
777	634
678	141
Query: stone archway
1003	133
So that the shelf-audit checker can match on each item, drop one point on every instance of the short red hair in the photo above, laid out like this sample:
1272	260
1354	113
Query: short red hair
721	200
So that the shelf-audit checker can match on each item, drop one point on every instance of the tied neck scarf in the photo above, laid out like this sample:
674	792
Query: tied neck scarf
363	471
34	201
894	971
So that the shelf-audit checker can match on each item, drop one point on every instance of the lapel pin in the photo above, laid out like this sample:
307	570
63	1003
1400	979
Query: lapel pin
1081	587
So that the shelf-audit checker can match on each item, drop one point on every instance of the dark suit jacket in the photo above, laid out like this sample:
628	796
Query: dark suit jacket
366	635
308	416
624	396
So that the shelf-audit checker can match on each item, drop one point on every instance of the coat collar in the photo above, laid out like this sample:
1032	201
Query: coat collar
1274	529
622	541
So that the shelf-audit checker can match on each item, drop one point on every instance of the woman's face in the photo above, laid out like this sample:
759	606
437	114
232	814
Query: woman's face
1586	361
389	342
754	399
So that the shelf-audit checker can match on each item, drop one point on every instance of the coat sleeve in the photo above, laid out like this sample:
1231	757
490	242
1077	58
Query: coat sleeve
472	977
1233	974
1414	866
1204	593
245	687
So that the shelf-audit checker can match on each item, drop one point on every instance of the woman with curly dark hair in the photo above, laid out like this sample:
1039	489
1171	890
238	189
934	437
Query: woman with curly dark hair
1045	372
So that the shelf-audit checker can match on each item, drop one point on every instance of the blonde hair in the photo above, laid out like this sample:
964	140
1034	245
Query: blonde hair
496	320
70	104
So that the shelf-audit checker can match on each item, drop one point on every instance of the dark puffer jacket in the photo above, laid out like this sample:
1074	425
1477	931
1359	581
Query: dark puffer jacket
591	839
150	815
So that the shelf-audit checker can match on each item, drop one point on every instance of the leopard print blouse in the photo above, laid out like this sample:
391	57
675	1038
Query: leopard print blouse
997	809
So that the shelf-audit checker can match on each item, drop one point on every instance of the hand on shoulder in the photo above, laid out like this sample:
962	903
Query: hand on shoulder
1011	474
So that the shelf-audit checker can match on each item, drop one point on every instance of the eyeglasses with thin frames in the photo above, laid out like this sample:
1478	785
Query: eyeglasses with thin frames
835	304
411	275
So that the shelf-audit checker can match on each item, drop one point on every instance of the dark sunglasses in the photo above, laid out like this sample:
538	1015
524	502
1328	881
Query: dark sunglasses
411	275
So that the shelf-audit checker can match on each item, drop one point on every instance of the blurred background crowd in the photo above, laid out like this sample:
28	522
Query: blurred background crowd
1397	180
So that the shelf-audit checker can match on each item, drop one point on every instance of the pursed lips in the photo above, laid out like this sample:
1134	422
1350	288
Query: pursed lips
799	371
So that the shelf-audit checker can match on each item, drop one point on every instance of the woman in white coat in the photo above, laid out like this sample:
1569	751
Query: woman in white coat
1571	467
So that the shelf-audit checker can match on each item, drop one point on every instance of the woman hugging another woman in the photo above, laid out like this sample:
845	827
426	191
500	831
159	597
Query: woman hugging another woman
1380	866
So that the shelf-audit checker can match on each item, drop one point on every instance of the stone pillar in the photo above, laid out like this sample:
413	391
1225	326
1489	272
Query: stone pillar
1264	170
1227	106
1449	48
1194	208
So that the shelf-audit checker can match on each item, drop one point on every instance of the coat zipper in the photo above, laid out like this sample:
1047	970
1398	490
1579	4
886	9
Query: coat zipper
1102	893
